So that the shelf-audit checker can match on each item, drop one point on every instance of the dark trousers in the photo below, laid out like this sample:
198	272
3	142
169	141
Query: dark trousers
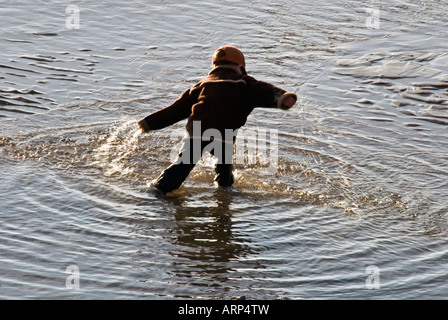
189	155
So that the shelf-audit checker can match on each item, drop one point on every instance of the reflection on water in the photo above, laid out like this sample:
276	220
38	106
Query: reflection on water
209	243
362	170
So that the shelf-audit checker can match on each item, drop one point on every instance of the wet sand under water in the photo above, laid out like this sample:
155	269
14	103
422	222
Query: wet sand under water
361	178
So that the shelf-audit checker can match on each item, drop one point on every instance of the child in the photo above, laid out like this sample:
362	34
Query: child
220	103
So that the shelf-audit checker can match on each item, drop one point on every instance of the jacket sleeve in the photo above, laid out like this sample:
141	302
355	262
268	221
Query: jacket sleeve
263	94
179	110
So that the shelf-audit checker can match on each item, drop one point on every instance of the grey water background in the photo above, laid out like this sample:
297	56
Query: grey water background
362	176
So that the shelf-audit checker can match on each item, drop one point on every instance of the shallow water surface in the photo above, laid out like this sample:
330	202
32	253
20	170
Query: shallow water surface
360	182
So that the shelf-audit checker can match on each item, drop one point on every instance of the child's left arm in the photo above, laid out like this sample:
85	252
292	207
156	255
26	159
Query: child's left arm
263	94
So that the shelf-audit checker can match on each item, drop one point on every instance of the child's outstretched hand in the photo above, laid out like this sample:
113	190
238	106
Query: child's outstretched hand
143	125
288	100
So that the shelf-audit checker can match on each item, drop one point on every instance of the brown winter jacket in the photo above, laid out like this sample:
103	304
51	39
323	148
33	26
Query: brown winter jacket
222	100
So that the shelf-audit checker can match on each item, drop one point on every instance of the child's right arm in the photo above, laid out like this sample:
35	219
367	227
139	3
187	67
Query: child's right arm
179	110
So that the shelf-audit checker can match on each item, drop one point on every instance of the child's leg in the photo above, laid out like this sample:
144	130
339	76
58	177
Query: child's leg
173	176
224	167
224	175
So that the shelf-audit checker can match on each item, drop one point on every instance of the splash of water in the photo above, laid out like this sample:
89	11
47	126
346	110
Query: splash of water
121	142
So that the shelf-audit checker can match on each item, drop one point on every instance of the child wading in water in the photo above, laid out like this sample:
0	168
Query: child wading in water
216	106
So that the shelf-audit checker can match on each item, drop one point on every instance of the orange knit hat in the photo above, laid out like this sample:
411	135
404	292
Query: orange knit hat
230	54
